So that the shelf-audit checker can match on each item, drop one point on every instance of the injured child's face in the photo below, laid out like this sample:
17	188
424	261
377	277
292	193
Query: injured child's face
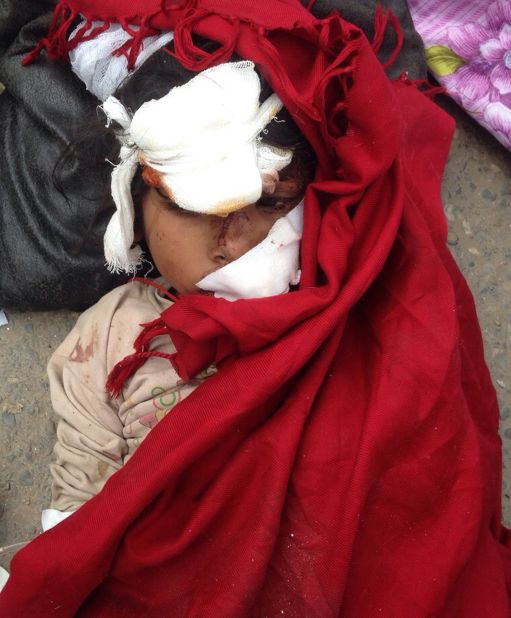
187	246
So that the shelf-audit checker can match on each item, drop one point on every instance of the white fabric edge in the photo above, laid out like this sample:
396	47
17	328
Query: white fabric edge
52	517
4	576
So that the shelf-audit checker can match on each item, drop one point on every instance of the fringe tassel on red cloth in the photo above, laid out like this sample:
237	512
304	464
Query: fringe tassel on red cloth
56	40
125	368
429	90
381	21
58	44
132	47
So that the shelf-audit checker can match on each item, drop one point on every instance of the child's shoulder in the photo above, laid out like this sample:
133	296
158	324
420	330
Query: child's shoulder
111	325
133	299
120	313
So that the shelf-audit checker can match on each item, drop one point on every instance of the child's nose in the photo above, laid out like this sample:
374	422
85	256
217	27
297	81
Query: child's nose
236	236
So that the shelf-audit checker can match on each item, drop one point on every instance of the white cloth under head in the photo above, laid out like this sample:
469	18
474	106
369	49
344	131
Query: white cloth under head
267	269
203	140
95	63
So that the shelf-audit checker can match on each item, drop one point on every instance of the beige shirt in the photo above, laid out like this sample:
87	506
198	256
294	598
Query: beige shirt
97	434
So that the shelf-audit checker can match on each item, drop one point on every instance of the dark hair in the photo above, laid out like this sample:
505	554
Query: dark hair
96	148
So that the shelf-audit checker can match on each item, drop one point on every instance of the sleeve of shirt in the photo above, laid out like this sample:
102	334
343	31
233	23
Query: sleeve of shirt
90	444
96	434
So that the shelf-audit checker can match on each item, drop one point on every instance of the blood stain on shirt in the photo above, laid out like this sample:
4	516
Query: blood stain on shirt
80	353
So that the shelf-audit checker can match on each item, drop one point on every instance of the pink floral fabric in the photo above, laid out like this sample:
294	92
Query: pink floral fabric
473	40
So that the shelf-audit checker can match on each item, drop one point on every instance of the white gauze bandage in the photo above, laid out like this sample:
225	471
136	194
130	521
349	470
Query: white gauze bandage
267	269
96	64
203	140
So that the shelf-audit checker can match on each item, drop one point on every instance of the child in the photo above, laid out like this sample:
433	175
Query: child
213	196
344	458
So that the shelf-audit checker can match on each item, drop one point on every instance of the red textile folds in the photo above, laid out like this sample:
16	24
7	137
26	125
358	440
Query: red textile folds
345	458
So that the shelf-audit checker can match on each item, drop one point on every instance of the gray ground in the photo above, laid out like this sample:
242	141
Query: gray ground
477	196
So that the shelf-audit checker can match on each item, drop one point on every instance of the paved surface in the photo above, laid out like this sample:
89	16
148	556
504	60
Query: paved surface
477	196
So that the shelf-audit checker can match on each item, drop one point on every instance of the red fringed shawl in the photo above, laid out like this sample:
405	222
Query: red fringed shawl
345	458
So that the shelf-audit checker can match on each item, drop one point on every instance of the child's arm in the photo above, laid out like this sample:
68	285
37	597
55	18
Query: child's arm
97	434
90	444
90	433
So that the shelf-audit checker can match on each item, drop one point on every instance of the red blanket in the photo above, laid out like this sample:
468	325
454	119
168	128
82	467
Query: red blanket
345	459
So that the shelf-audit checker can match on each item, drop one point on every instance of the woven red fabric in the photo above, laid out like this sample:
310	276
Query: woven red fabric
345	458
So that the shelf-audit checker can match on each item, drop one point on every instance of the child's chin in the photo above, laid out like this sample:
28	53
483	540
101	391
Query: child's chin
193	289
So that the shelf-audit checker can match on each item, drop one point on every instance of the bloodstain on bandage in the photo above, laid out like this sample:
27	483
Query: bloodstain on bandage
152	178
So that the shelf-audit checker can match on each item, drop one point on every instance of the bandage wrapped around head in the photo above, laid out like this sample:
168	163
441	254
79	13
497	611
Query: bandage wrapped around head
203	140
